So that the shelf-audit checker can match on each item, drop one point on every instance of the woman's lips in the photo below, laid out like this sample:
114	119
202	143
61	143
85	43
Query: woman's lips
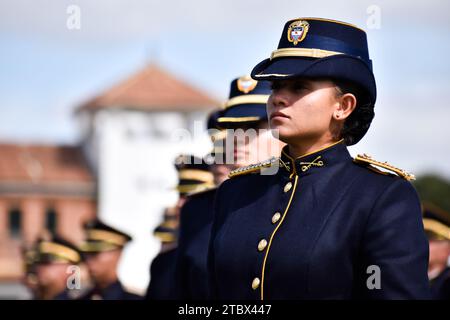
278	115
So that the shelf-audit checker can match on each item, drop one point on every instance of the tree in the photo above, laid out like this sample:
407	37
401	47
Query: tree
434	189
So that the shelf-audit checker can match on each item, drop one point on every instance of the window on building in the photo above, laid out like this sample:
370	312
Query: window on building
15	220
50	223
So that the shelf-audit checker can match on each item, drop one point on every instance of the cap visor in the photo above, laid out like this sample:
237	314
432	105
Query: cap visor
340	66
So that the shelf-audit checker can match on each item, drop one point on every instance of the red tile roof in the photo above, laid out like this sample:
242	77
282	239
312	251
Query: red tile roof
40	164
152	89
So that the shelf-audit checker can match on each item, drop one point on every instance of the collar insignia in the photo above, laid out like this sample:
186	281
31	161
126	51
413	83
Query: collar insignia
315	163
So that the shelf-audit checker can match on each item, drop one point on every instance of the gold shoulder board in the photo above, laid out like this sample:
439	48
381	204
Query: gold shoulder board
366	159
253	168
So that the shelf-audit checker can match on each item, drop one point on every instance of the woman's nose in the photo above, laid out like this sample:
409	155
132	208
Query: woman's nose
278	99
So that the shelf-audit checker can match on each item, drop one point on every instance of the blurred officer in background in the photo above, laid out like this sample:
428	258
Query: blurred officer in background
216	158
102	250
195	213
30	279
167	231
245	109
324	225
53	265
162	267
437	227
194	175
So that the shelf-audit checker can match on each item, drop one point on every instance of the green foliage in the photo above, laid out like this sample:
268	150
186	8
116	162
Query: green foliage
434	189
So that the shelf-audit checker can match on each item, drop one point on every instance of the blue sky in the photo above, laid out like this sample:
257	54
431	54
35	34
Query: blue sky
47	70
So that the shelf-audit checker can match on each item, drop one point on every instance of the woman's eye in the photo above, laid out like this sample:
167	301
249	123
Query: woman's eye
295	87
274	86
298	87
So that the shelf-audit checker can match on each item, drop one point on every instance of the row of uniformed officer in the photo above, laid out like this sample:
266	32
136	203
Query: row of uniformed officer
51	260
244	109
194	175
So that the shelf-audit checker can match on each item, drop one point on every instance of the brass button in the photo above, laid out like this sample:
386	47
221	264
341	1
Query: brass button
255	283
276	217
288	186
262	244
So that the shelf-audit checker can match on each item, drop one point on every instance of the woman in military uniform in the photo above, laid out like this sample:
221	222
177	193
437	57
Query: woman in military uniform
325	226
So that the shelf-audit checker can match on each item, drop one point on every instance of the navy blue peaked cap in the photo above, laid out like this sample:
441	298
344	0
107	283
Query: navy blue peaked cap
320	48
246	103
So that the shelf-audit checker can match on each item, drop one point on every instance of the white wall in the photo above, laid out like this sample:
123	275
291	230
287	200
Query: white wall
135	154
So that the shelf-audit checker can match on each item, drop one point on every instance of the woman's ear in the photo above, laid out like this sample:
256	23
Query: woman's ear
346	105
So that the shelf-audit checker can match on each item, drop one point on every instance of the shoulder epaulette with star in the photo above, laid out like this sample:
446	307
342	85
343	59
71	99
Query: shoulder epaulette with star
374	164
253	168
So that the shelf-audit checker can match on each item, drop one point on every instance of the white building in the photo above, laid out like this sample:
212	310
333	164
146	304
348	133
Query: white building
131	136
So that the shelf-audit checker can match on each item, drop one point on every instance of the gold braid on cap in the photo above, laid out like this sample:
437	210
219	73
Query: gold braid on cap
59	251
437	228
247	99
196	174
189	188
107	236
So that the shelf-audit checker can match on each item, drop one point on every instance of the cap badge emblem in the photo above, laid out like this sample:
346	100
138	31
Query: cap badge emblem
297	31
246	84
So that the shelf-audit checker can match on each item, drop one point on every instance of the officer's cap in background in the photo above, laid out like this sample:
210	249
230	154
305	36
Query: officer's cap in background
193	174
436	222
101	237
55	250
246	104
167	231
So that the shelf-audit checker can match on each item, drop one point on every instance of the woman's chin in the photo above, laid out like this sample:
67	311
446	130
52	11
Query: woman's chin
280	132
